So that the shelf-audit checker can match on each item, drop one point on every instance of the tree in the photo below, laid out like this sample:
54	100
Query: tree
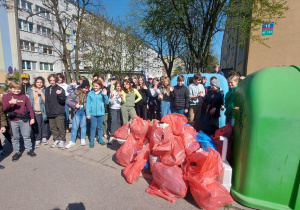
197	21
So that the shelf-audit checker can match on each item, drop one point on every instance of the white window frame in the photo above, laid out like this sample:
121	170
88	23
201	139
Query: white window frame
42	12
25	5
31	64
49	66
25	25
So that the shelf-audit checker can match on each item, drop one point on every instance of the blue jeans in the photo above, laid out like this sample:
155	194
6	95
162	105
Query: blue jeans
180	111
96	122
165	108
79	119
67	117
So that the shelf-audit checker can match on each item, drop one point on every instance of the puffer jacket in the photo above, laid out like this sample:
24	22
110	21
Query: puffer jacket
73	100
181	97
95	104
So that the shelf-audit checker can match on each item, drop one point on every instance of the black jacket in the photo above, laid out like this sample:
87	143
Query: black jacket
215	102
55	104
181	97
145	93
24	89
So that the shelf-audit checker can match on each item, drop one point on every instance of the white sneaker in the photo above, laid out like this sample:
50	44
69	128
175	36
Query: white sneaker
105	136
45	141
55	143
61	144
70	144
110	140
37	144
82	142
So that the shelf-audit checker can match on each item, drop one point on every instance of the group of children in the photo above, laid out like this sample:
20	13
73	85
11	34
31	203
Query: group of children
39	112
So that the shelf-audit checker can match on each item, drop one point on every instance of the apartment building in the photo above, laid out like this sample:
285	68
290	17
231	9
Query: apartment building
38	50
283	42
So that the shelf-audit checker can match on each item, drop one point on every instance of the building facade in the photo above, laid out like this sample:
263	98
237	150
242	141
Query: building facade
283	42
30	39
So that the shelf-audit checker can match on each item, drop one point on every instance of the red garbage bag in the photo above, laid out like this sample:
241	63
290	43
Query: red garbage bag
227	132
127	152
176	121
167	182
139	127
166	146
188	140
176	156
160	140
133	170
123	132
201	171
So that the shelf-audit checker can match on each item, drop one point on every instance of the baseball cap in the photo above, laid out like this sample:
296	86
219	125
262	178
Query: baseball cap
25	76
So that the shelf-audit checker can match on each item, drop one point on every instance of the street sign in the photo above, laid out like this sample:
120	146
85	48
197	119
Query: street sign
10	70
267	29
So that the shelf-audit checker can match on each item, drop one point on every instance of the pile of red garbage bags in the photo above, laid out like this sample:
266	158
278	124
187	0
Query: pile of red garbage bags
175	162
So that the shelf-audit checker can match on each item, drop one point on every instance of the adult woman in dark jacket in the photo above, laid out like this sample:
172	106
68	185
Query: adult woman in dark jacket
141	106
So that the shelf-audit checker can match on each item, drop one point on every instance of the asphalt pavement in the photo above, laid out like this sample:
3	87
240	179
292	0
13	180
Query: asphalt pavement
77	178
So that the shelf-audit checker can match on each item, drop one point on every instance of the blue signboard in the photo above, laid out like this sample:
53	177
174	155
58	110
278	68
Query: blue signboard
267	29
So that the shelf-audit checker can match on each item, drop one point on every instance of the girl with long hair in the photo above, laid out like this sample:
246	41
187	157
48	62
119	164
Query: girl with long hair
115	102
165	98
141	106
36	95
128	100
154	103
77	102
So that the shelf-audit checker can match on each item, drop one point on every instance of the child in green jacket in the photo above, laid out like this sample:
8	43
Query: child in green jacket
229	98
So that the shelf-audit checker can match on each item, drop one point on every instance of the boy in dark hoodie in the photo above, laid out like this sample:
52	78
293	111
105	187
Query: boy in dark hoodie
55	98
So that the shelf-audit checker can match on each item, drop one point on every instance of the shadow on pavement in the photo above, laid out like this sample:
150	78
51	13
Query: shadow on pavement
76	206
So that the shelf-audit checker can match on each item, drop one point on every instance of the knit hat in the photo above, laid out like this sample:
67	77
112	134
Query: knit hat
85	84
215	82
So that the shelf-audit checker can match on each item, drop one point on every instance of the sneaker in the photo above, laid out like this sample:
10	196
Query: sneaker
55	144
91	144
82	142
45	141
61	144
37	144
16	156
70	144
31	153
105	136
110	141
101	142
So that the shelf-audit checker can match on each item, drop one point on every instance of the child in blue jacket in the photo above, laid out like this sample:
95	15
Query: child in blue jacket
95	111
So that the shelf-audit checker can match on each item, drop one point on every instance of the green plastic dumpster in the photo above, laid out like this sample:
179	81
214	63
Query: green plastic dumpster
266	147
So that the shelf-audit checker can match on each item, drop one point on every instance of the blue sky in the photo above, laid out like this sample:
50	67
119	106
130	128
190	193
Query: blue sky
118	8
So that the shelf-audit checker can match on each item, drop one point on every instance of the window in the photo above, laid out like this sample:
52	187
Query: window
43	31
27	46
29	65
46	66
42	12
45	49
25	5
25	26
